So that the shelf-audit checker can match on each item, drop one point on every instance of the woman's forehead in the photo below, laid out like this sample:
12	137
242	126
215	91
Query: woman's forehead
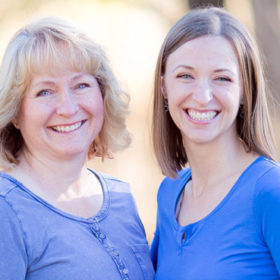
59	65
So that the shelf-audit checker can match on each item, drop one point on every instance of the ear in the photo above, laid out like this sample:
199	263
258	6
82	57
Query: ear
15	123
162	87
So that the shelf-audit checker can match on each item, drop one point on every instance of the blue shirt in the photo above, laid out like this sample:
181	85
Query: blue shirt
238	240
39	241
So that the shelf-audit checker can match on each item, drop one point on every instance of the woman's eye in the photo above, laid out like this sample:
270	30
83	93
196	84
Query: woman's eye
223	79
185	76
43	92
83	85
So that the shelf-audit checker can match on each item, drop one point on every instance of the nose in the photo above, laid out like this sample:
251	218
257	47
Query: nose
67	104
203	93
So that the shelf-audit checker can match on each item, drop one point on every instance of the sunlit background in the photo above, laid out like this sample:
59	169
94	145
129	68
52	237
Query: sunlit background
131	33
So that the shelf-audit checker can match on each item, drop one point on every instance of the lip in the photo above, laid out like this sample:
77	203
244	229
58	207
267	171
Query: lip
201	116
67	128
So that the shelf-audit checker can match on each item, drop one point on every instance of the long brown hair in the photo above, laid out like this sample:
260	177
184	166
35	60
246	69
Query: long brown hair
254	127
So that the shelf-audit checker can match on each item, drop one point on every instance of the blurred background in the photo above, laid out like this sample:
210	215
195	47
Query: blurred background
131	32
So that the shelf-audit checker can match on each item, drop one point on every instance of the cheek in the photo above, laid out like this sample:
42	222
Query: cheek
97	112
95	105
229	97
33	115
178	94
236	100
34	112
26	114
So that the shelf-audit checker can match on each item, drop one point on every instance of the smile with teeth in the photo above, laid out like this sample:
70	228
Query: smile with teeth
68	128
201	116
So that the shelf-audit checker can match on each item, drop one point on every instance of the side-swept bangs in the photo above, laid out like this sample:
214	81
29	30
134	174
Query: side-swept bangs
41	47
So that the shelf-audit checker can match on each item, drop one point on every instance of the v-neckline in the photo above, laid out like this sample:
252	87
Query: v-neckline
101	214
193	227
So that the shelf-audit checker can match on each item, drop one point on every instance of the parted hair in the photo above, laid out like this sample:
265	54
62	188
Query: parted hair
37	47
253	124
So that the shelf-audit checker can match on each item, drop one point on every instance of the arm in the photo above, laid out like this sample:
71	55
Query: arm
13	259
154	246
154	250
268	206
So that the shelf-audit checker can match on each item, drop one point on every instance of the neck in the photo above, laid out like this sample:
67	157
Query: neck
211	164
53	176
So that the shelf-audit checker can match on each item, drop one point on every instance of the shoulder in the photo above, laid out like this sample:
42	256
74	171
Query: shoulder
171	186
267	185
7	184
267	203
261	175
268	176
7	204
12	196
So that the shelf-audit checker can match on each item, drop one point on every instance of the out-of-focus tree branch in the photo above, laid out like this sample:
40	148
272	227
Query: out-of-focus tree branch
267	25
204	3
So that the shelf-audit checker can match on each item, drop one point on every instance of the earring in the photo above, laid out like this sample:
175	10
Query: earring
241	112
166	109
15	124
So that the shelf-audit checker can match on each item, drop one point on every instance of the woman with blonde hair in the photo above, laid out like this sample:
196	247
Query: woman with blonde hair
60	104
219	217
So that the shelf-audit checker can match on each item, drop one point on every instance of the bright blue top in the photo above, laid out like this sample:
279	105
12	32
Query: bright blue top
238	240
41	242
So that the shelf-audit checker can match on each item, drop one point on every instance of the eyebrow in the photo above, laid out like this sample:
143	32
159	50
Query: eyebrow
223	70
192	68
183	66
52	83
44	83
78	76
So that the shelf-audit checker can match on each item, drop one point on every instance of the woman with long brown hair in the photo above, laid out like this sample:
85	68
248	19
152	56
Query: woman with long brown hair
218	218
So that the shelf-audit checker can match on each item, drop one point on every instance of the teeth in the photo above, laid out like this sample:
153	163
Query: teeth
67	128
205	116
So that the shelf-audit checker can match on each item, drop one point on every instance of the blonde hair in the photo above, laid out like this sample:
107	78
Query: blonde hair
38	44
253	124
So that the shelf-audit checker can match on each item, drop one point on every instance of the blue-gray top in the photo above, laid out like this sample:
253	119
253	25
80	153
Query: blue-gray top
39	241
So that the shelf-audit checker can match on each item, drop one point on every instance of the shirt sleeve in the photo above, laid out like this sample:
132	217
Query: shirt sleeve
13	259
268	206
154	246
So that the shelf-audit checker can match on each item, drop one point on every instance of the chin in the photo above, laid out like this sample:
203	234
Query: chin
199	139
72	153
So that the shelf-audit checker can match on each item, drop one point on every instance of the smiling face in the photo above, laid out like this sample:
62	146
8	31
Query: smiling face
203	88
61	113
